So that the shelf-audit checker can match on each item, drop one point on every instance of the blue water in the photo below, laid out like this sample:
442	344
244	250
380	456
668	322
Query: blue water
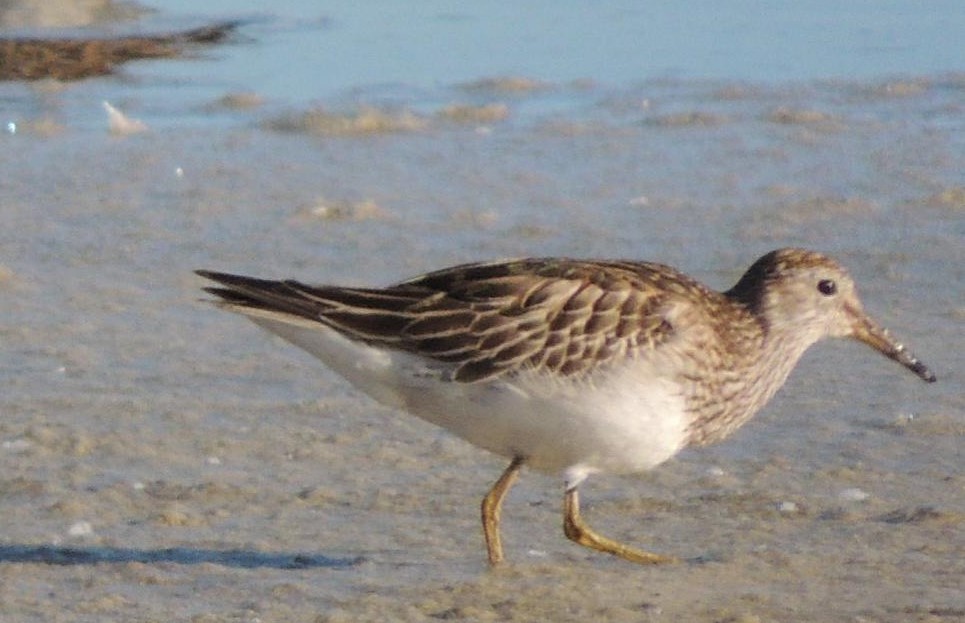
299	53
305	50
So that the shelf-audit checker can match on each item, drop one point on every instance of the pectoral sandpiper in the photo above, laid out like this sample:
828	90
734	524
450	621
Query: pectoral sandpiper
571	367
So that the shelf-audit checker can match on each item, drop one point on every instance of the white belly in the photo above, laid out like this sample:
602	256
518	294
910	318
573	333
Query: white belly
626	420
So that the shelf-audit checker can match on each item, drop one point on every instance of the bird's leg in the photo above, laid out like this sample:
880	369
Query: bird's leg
492	509
579	532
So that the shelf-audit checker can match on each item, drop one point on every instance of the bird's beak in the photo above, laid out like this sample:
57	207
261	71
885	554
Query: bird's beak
868	331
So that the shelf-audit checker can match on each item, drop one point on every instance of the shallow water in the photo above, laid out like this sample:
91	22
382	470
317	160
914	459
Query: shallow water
160	460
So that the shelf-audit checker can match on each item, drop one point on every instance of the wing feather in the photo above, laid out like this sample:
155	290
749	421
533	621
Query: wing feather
566	317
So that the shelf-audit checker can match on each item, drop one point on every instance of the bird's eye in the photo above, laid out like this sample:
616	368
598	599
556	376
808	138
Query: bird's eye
827	287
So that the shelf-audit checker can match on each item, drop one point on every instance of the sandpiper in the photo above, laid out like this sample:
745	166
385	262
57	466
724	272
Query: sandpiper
571	367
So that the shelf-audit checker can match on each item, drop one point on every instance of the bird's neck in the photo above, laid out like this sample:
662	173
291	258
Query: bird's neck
756	376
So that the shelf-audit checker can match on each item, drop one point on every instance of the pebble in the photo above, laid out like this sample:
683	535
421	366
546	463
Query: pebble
17	445
787	507
853	494
80	528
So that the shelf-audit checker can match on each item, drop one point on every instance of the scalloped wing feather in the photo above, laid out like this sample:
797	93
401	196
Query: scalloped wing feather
566	317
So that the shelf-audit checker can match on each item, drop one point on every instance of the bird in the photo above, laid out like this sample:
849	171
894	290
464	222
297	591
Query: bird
571	367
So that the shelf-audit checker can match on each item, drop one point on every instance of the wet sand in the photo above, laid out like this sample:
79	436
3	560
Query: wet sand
161	460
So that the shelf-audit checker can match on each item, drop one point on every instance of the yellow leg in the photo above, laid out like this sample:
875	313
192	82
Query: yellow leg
579	532
492	509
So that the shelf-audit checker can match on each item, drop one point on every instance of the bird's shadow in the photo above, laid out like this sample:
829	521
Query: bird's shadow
238	558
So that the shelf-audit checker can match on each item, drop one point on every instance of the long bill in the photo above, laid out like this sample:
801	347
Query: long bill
878	338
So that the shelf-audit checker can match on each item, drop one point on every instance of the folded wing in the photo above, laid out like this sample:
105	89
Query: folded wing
563	316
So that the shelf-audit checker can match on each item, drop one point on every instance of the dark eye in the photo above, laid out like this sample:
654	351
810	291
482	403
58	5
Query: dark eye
827	287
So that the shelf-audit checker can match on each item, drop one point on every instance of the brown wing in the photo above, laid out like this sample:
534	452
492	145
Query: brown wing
562	316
